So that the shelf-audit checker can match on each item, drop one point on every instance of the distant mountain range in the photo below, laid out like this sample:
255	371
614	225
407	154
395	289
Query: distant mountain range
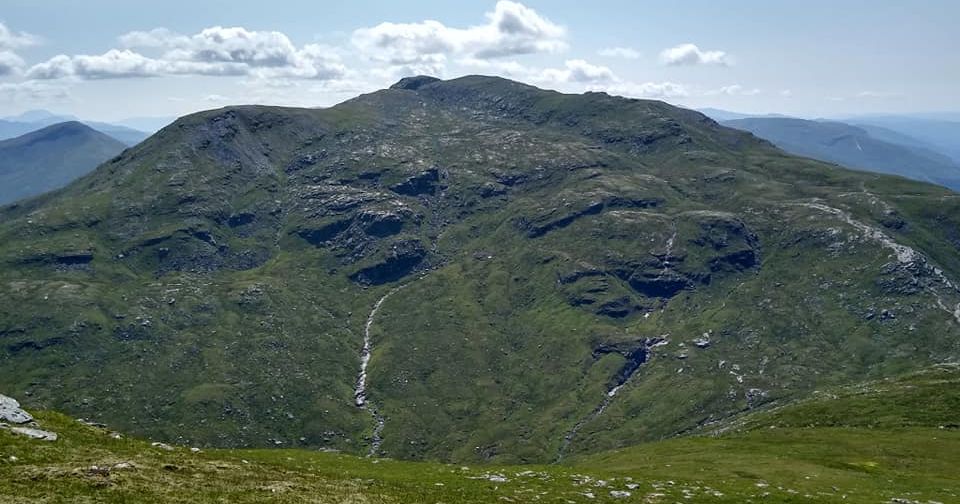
726	115
867	148
51	157
129	131
34	120
921	147
940	131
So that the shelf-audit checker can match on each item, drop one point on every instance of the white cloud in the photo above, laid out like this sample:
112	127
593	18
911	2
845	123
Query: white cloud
217	98
579	75
690	54
619	52
786	93
215	51
658	90
10	63
511	29
578	71
32	92
732	90
220	44
507	68
878	94
157	37
13	40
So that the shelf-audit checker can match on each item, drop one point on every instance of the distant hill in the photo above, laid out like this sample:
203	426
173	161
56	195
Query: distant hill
33	120
942	134
869	148
129	136
50	158
720	115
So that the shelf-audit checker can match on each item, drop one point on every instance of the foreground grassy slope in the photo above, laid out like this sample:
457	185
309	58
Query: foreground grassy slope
871	443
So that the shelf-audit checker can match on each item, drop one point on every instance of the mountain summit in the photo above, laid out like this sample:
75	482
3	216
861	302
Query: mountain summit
469	269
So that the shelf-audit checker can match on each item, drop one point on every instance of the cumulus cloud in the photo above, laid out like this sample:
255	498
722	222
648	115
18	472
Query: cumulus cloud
690	54
112	64
733	90
216	98
10	63
31	91
878	94
657	90
511	29
13	40
578	71
507	68
215	51
581	75
619	52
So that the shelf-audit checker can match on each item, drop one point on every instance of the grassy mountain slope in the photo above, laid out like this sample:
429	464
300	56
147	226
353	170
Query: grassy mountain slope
875	442
855	147
50	158
544	267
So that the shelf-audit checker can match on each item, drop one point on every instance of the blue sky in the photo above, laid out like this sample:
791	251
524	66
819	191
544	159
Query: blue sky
110	59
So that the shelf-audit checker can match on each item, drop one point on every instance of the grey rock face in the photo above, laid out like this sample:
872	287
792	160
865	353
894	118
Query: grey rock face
35	433
10	411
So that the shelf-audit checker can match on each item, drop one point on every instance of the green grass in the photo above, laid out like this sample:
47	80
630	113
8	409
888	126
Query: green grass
759	458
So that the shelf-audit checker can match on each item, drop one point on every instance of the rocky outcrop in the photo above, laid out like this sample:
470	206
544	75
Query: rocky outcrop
558	218
319	235
381	223
414	83
34	433
596	290
422	183
402	258
18	421
686	252
635	352
11	413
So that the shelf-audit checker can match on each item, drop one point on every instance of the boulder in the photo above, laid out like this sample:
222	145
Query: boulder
10	411
35	433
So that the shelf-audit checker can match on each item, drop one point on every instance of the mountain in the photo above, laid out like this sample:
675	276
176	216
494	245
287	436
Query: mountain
883	441
943	134
51	158
470	270
33	120
726	115
856	147
128	136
